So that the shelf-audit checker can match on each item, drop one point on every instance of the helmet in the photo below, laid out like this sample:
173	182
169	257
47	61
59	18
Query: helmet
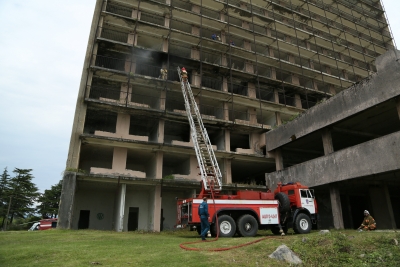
183	69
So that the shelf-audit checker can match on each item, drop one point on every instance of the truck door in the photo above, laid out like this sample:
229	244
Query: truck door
307	200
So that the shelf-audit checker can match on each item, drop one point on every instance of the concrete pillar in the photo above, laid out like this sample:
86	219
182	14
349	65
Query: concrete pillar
297	101
195	30
195	53
226	111
167	20
155	214
136	14
132	38
249	67
163	96
66	206
295	79
225	84
222	16
278	159
278	120
119	159
389	206
165	45
195	79
252	115
160	131
227	171
332	90
195	8
327	141
123	123
251	90
336	206
120	208
124	95
382	209
224	61
227	138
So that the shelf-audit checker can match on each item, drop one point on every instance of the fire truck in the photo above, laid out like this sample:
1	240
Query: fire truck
291	205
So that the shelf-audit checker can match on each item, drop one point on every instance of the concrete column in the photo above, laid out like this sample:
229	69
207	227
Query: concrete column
165	45
333	91
155	221
120	208
100	29
167	21
382	209
295	79
224	61
225	84
132	38
249	67
195	30
278	120
297	101
123	123
119	159
226	111
160	131
136	14
195	79
278	159
251	90
195	53
196	9
227	172
336	206
227	138
389	206
252	115
327	141
89	84
66	207
163	96
222	16
124	93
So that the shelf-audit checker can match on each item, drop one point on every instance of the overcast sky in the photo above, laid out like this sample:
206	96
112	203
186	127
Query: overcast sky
42	48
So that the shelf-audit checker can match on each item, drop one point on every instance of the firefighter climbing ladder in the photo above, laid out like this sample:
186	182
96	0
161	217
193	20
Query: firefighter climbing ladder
209	169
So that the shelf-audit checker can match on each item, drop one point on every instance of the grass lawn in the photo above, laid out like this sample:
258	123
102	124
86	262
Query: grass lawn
106	248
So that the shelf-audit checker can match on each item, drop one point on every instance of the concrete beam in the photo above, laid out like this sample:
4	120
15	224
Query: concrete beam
373	90
372	157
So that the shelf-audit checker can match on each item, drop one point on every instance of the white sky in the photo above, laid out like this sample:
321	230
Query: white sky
42	49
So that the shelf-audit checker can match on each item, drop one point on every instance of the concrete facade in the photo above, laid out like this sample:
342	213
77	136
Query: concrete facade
359	133
252	68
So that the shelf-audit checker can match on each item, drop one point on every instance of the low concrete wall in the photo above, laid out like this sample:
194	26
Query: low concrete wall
373	90
373	157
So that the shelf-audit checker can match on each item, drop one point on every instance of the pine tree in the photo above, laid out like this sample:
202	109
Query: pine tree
24	193
4	197
49	201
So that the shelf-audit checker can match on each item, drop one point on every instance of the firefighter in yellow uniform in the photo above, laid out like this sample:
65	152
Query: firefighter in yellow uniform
184	74
368	223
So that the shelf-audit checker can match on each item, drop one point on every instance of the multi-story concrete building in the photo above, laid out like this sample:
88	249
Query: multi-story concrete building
252	64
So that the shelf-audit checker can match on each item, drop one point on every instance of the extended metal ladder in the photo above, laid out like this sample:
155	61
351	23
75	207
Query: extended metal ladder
209	169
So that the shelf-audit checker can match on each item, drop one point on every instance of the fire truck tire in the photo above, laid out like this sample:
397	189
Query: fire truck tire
227	226
302	224
247	226
284	202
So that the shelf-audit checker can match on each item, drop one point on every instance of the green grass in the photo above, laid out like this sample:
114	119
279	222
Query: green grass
106	248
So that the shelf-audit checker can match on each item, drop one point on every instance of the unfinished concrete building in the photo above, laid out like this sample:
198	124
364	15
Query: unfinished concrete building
252	64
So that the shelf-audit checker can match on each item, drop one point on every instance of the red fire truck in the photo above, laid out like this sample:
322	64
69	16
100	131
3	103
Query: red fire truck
290	205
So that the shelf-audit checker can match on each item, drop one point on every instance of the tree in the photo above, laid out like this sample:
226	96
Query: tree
4	197
49	201
24	193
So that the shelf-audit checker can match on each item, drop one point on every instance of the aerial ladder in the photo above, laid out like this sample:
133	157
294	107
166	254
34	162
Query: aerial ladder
208	165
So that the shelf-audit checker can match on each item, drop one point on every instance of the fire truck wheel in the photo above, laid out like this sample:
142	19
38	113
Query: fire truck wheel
284	202
227	226
247	225
302	224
